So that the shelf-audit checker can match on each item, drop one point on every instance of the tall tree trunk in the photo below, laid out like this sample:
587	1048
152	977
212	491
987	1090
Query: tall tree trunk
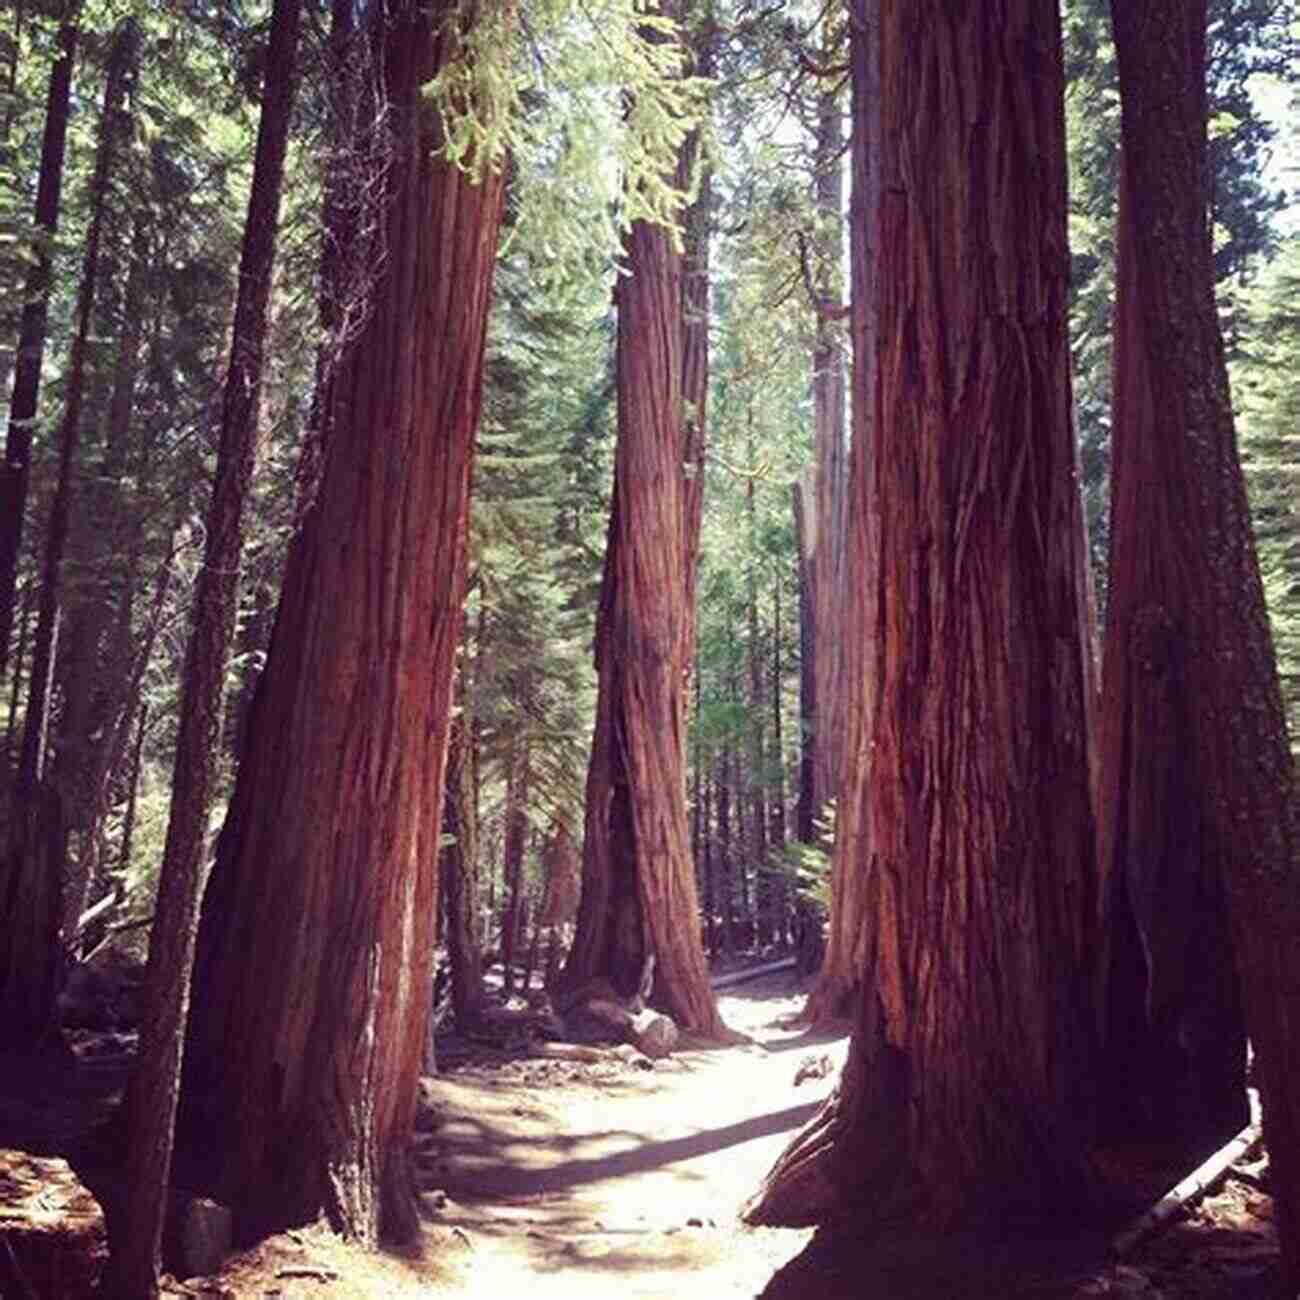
15	473
25	611
512	865
1175	1036
844	961
805	816
757	715
726	858
30	872
1203	640
311	981
91	669
639	898
777	905
708	869
966	1094
155	1084
831	450
457	875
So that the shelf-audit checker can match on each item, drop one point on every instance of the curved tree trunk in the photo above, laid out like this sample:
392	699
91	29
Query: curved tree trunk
1220	642
966	1097
639	898
312	974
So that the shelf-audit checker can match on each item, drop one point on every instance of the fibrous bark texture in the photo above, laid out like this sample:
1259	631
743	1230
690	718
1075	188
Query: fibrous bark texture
313	970
1175	1037
638	893
847	613
966	1094
1245	819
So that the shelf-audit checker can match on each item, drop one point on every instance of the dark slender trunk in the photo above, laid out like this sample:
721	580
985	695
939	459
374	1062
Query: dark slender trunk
155	1085
15	473
806	805
726	858
516	839
30	875
777	904
457	869
757	713
20	663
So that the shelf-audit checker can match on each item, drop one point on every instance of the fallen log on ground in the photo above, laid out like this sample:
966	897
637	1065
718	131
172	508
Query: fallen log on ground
752	973
1197	1183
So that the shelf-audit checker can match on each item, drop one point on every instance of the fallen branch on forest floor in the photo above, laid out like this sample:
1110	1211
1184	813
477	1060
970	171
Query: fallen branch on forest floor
1197	1183
753	973
573	1052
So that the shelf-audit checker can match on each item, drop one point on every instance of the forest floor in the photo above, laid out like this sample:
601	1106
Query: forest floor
596	1179
586	1181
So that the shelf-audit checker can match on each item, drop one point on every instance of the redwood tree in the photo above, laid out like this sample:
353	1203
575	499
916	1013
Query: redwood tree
1175	1039
849	683
313	969
1198	633
966	1092
638	889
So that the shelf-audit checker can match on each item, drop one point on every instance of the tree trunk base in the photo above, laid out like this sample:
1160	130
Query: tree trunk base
832	1000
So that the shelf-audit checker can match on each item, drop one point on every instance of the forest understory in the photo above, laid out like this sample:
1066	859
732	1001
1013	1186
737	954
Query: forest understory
542	1176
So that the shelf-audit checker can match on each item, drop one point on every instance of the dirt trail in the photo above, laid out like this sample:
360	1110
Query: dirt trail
562	1180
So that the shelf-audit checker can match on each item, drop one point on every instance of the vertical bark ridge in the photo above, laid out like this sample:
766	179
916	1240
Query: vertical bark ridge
968	1092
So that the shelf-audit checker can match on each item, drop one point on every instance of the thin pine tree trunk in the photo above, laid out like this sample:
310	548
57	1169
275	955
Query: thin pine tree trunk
31	870
15	473
153	1094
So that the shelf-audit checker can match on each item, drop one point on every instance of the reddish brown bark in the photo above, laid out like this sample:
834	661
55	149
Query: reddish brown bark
1217	641
1175	1036
844	960
312	975
966	1093
639	897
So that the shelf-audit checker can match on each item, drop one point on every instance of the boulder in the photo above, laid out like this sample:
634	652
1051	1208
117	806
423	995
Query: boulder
207	1237
654	1034
102	993
52	1237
